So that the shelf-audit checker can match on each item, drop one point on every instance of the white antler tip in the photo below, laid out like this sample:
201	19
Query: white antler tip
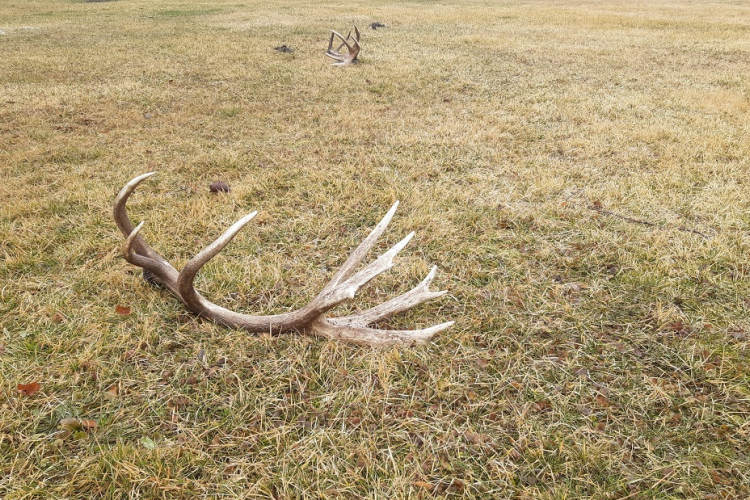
401	244
249	217
127	246
143	177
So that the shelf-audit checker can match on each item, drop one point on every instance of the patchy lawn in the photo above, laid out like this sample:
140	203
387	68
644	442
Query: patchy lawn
577	170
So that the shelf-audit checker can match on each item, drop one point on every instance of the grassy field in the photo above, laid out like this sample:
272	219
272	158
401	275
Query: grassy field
577	170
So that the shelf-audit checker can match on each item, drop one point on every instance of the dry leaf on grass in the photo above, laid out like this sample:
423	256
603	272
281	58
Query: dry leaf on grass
89	424
29	389
423	484
122	310
602	401
75	424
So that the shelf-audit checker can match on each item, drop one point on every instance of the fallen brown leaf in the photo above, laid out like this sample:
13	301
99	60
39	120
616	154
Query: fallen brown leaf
122	310
179	402
542	406
89	424
29	389
678	327
456	485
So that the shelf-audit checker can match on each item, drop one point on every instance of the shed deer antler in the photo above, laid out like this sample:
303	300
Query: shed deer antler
352	45
311	318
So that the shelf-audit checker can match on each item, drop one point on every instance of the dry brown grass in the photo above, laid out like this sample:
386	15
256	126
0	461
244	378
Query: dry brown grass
593	356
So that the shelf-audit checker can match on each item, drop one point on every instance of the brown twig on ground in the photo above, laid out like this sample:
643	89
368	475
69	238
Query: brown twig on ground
597	207
645	222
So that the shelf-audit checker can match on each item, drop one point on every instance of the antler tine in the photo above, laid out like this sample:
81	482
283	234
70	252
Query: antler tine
351	286
355	48
334	54
187	275
343	40
200	305
159	269
330	44
359	253
348	36
332	329
121	215
417	295
354	328
135	249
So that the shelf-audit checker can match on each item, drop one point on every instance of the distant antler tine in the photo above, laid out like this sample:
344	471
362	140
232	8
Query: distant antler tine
343	40
334	54
348	36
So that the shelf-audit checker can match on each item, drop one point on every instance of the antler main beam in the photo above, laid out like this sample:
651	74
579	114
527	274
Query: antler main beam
311	318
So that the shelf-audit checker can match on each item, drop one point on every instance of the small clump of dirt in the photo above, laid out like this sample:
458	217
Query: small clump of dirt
219	187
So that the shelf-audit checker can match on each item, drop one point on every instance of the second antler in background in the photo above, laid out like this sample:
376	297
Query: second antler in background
352	45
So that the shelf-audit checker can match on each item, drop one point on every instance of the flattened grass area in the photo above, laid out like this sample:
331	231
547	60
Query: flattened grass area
577	170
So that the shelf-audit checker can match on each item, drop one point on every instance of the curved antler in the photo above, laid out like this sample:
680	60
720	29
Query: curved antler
351	44
311	318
